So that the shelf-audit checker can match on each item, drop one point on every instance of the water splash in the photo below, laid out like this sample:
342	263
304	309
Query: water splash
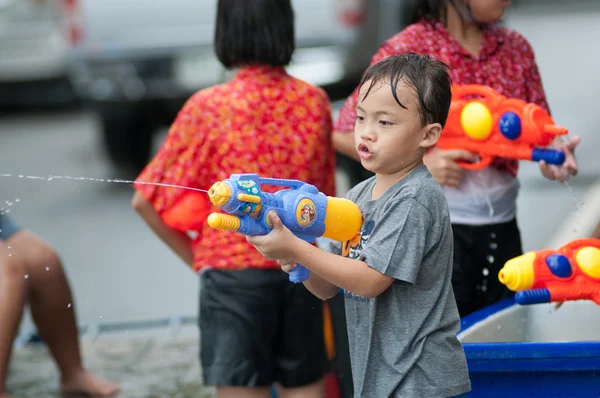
576	204
102	180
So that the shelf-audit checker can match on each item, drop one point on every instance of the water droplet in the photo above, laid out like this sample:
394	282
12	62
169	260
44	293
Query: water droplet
483	288
87	302
69	305
50	178
490	259
17	200
100	316
9	254
47	268
493	235
485	272
26	276
493	245
499	327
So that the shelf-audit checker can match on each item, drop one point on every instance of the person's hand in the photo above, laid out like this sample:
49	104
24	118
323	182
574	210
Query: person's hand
287	265
442	164
569	167
277	244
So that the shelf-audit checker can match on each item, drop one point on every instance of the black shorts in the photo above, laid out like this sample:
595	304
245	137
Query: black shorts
256	328
479	254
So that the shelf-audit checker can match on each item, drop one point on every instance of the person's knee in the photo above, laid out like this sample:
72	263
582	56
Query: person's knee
11	267
34	251
45	255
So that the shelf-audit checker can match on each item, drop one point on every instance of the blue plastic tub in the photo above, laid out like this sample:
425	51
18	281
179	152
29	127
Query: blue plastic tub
533	351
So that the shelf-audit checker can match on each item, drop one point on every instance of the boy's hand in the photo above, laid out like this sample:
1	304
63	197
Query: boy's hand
277	244
287	265
569	167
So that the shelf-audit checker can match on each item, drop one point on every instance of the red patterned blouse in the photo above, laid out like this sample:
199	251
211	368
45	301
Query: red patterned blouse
263	121
506	63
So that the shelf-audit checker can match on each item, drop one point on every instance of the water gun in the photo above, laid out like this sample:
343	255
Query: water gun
304	210
492	125
570	273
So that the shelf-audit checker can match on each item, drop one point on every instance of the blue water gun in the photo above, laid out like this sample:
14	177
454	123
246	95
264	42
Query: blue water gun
305	211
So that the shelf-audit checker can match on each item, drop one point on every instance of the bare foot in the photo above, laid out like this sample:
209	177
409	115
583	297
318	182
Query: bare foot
86	383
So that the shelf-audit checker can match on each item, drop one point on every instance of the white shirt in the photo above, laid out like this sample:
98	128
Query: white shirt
487	196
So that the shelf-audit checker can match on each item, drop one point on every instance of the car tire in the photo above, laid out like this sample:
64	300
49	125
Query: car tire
127	140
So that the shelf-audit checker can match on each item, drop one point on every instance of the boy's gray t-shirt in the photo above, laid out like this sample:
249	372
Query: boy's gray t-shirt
403	343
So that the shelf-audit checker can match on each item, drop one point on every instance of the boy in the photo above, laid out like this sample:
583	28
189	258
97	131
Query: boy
401	313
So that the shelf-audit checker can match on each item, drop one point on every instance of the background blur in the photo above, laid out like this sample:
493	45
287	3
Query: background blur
88	87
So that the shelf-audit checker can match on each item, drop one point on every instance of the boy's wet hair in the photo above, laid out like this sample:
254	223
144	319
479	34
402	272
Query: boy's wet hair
428	76
254	32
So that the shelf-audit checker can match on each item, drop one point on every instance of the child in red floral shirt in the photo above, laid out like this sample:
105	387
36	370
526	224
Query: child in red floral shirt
257	328
463	34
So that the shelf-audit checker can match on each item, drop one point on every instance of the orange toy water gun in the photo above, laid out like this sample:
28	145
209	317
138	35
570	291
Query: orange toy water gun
492	125
569	273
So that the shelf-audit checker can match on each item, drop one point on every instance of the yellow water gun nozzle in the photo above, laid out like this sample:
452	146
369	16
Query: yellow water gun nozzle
219	194
224	222
517	274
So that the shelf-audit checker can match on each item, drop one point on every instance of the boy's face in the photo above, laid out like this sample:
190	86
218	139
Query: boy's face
388	137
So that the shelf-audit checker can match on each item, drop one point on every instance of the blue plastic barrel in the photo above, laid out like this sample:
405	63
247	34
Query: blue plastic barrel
533	350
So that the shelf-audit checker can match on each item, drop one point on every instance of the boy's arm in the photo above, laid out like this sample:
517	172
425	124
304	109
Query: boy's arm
334	272
352	275
320	287
178	241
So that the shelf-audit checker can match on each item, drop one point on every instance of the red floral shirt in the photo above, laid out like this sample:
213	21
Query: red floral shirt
263	121
506	63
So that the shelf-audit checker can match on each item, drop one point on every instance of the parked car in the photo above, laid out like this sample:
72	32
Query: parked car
36	39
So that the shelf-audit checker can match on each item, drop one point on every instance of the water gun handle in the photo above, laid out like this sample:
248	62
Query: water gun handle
550	156
474	89
282	182
299	274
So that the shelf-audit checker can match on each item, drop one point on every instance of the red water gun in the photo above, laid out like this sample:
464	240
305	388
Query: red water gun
492	125
569	273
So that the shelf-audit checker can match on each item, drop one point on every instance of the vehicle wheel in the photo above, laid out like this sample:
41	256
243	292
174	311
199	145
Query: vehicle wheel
127	140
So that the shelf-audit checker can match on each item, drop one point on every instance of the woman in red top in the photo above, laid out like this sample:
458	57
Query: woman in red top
463	34
257	328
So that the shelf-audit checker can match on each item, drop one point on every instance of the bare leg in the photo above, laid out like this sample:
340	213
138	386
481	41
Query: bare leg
13	291
243	392
314	390
53	311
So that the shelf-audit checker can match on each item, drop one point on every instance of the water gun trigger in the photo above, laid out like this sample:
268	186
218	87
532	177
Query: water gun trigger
484	161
